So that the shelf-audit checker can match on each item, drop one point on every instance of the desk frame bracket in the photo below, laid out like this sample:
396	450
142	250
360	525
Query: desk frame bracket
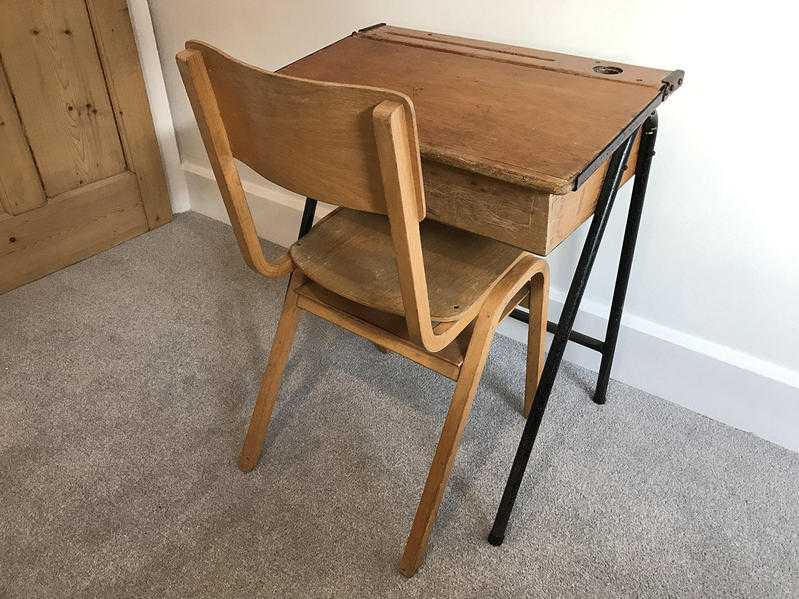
563	330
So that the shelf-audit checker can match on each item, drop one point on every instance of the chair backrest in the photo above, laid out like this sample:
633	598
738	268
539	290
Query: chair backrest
311	137
348	145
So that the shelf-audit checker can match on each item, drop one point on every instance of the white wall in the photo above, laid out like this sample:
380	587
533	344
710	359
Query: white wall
712	319
159	104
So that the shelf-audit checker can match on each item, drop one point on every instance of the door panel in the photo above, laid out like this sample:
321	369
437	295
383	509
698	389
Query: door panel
20	188
114	36
54	70
71	227
80	169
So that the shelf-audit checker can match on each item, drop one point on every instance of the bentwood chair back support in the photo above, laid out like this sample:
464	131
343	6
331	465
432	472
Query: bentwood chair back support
375	266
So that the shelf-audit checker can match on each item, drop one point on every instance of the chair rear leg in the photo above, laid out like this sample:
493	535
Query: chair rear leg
536	337
270	384
447	449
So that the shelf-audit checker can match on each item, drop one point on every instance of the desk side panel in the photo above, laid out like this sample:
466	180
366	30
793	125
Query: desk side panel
511	213
569	211
534	221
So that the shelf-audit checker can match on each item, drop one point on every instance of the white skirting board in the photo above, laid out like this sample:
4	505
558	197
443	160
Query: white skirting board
721	383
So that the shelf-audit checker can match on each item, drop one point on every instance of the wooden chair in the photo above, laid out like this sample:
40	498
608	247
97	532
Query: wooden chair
375	266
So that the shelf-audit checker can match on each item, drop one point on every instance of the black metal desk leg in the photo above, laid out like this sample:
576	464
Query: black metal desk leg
646	151
604	204
307	216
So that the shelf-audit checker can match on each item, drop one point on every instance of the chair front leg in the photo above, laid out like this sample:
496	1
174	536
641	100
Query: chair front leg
536	336
465	389
447	449
270	384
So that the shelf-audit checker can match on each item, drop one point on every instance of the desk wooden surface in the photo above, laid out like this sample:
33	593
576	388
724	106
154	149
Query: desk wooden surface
514	141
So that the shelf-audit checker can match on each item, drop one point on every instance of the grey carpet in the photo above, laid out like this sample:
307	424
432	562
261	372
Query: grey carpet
126	383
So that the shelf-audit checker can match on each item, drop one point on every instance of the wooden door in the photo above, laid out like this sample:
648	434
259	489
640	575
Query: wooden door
80	169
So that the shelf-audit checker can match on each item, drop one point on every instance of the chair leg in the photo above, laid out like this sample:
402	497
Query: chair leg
270	384
536	337
447	449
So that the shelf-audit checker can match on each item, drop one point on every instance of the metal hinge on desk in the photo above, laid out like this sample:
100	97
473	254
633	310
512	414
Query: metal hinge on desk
670	83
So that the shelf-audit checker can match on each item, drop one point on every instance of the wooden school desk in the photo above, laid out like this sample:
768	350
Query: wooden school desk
522	146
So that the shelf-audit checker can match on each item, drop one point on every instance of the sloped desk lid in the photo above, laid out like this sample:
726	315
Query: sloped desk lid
535	118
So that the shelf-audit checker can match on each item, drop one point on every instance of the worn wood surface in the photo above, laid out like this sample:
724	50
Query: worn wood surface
69	228
392	138
20	187
351	146
491	207
432	293
569	211
52	65
383	329
217	145
324	131
120	59
503	130
531	123
536	342
351	253
270	383
533	220
65	187
528	271
539	59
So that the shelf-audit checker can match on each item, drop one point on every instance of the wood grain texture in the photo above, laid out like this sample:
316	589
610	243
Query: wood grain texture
536	342
212	129
391	136
20	187
567	212
503	130
310	137
54	72
383	329
120	59
524	273
539	59
351	253
491	207
336	126
69	228
270	383
432	293
535	127
526	218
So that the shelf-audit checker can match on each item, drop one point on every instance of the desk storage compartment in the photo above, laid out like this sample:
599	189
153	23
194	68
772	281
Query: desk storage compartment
534	220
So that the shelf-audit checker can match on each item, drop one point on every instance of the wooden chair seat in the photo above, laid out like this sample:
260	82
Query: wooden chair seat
350	253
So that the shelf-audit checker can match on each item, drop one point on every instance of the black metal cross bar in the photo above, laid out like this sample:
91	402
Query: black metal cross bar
563	331
576	336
